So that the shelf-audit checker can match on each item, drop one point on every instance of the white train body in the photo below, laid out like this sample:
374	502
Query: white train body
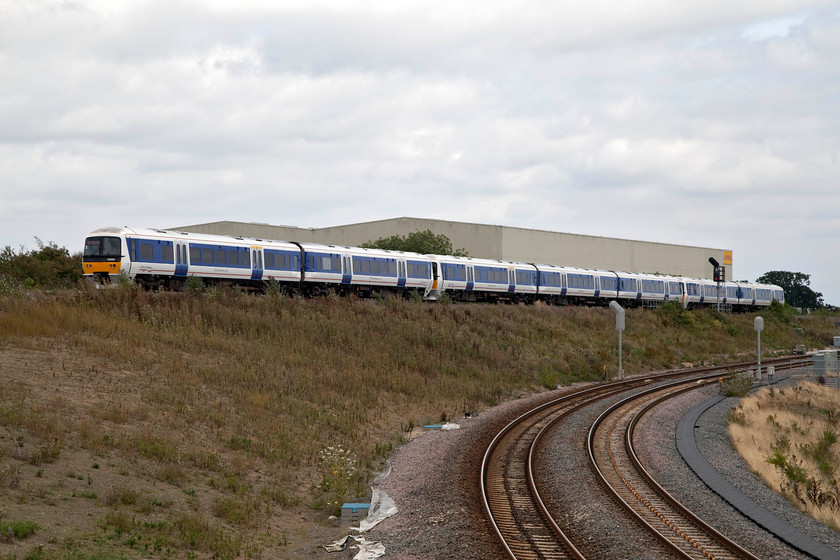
160	258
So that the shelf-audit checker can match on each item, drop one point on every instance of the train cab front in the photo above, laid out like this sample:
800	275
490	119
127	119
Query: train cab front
102	259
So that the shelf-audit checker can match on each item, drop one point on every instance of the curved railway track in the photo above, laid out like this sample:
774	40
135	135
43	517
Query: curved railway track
610	446
522	522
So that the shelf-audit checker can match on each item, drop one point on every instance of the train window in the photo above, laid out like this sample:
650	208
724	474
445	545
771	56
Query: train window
103	247
206	256
233	257
582	281
195	255
220	257
269	259
418	270
93	246
111	246
652	287
147	252
524	278
167	254
627	284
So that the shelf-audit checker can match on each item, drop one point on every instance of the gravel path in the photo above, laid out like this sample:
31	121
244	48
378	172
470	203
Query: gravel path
434	482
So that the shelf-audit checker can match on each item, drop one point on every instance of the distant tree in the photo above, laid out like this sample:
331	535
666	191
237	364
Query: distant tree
424	242
50	266
796	287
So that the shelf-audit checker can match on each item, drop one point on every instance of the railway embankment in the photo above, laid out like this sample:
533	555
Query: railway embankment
220	424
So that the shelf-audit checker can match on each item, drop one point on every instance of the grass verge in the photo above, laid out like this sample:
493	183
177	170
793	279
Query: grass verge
209	424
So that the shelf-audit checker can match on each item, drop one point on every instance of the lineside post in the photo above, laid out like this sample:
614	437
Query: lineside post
759	326
619	326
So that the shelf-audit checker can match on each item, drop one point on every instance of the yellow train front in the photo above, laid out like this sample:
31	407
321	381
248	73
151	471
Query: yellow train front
103	256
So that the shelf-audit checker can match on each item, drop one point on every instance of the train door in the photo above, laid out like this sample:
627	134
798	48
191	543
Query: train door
181	265
434	286
597	286
256	263
470	278
511	280
401	274
347	274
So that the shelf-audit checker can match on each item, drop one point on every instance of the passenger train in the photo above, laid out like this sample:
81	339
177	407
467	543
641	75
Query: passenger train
157	258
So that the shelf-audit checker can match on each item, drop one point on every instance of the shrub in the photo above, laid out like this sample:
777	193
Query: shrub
18	529
50	266
738	384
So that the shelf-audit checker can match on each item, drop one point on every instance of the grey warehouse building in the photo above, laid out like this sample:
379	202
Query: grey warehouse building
503	243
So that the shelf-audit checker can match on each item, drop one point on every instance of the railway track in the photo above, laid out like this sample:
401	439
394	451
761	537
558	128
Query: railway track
610	447
521	520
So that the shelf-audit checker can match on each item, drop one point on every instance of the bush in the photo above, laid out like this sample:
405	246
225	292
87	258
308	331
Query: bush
18	529
50	266
738	384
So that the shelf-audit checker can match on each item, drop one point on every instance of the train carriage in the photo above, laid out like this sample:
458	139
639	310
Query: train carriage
164	258
629	287
582	284
471	279
653	288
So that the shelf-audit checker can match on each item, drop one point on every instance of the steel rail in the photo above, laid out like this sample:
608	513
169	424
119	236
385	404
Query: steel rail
606	389
712	534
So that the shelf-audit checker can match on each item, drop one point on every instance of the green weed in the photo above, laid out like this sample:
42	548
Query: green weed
18	529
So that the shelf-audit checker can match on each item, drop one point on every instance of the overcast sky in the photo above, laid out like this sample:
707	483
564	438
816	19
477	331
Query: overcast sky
704	123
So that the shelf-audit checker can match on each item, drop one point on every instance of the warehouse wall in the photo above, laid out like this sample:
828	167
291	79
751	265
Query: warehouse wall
504	243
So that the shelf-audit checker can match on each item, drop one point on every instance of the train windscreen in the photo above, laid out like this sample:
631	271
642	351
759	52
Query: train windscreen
102	247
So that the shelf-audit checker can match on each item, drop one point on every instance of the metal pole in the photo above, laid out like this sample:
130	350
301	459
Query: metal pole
620	369
619	326
759	326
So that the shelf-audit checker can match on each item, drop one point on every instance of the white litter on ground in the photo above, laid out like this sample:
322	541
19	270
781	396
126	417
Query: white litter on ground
381	507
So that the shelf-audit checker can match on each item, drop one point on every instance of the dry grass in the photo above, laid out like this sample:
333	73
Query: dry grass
157	425
788	437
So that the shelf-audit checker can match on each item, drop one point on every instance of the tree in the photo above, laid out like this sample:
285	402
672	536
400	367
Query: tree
424	242
796	287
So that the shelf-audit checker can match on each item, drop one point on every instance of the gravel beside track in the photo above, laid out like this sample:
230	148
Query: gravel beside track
434	482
